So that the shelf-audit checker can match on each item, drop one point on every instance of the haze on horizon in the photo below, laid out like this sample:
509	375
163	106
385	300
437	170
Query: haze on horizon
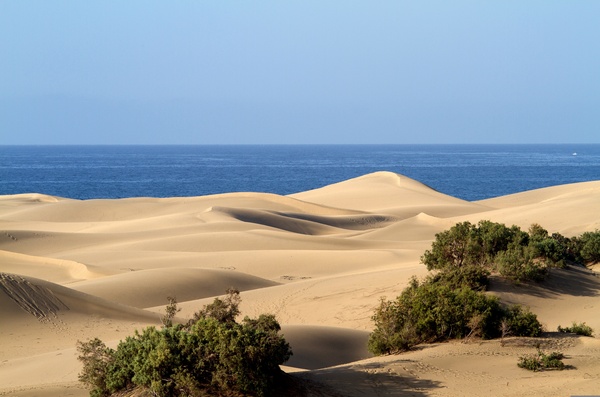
233	72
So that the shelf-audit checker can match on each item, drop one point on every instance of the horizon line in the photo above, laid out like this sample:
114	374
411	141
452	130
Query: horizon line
297	144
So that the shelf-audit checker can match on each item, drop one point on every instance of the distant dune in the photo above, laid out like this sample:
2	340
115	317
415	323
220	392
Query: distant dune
319	260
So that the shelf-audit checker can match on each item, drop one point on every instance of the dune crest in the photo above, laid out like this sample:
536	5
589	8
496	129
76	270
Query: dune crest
389	193
23	198
51	269
149	288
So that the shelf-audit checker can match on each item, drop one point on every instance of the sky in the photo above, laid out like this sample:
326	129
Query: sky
299	72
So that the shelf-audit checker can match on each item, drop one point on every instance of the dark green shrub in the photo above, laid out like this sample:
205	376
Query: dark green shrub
447	305
542	361
513	253
394	332
466	244
530	362
563	252
455	247
213	355
554	250
431	312
245	357
520	264
223	310
471	276
497	237
97	358
537	233
521	322
578	329
590	247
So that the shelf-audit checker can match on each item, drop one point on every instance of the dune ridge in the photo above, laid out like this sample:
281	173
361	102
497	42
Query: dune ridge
34	299
51	269
319	260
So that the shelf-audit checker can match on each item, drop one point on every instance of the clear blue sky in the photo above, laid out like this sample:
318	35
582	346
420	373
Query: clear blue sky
270	72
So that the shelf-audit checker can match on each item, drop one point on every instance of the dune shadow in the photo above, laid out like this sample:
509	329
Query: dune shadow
573	281
366	379
308	224
318	347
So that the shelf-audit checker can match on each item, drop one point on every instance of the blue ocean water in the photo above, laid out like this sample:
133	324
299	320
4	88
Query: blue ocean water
470	172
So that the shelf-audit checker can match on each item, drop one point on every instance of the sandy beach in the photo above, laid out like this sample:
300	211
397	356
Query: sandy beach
319	260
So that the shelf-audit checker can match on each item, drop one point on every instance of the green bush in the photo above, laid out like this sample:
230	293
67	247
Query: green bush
214	354
429	312
97	359
554	250
449	303
223	310
459	246
470	276
589	244
520	264
170	312
578	328
542	361
511	252
520	321
467	244
497	237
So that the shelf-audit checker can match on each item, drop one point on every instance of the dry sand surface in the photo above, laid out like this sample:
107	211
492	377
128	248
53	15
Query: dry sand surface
319	260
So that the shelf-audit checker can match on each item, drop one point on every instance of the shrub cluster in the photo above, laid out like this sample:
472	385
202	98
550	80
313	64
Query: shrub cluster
434	311
515	254
542	361
587	247
211	355
578	329
450	303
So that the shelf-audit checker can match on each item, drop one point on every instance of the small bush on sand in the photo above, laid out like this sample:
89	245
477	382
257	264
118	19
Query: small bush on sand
97	358
170	312
578	328
541	361
509	251
450	303
431	311
519	321
588	246
213	355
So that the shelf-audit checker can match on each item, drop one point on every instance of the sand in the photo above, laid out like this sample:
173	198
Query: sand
319	260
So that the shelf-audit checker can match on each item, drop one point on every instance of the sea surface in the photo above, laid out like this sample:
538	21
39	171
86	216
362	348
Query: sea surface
470	172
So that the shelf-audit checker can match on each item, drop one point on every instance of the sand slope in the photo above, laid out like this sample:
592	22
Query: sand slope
319	260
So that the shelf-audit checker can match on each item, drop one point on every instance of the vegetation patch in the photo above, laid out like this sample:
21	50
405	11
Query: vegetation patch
212	355
541	361
578	329
433	311
472	251
451	304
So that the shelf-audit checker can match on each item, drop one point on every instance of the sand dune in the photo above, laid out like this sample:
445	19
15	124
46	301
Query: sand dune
390	193
567	209
319	260
43	300
147	288
55	270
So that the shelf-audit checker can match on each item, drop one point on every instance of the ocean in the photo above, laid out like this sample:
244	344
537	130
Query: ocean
469	172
